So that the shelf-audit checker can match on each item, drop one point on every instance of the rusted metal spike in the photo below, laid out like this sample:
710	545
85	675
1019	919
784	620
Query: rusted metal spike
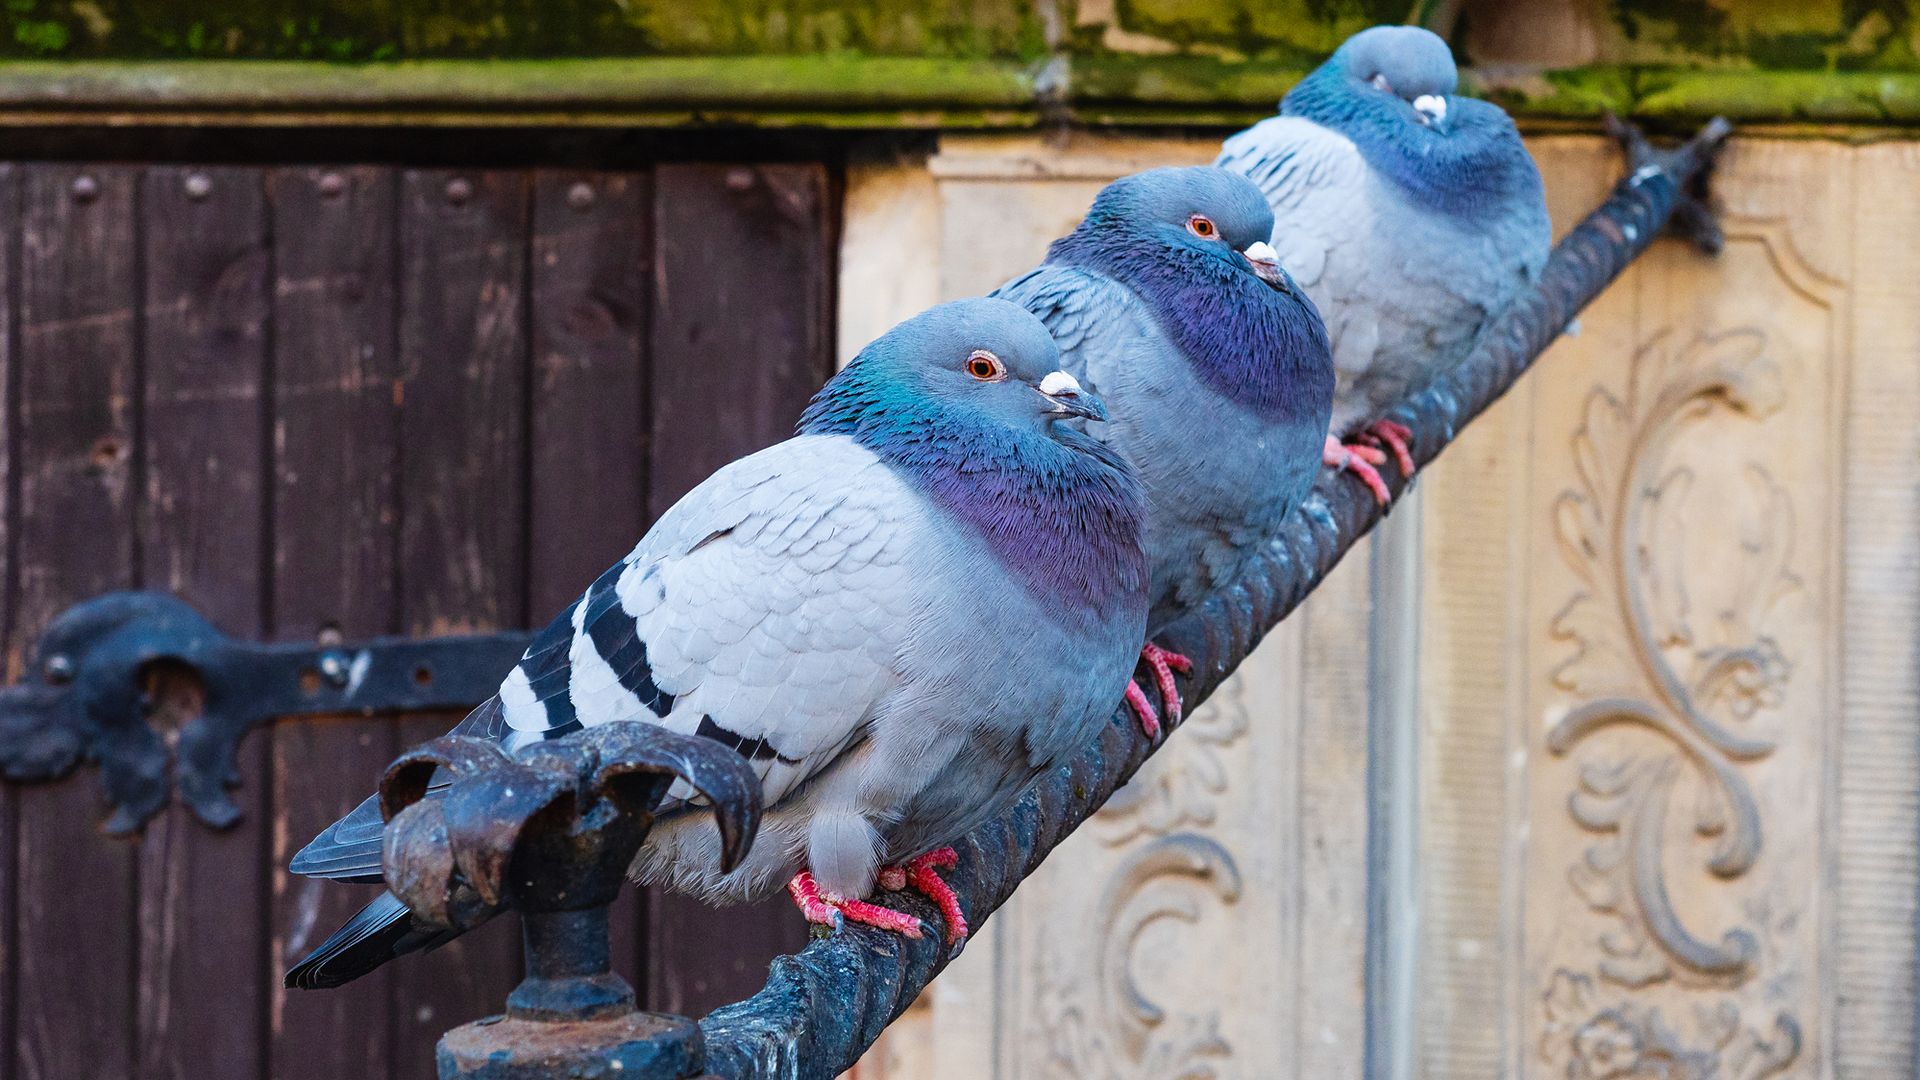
725	779
408	778
550	833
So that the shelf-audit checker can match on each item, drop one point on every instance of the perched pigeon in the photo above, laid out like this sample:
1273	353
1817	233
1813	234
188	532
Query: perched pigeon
1411	216
1168	302
900	616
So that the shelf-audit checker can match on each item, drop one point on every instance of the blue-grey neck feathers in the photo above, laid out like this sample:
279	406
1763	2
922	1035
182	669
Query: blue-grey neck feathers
1470	161
1061	510
1263	348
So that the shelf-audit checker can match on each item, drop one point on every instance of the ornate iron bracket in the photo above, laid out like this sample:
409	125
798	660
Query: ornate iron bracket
92	686
820	1010
551	834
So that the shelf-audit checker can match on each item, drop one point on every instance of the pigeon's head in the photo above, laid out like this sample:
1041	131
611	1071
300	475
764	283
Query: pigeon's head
981	361
1201	209
1390	90
1398	74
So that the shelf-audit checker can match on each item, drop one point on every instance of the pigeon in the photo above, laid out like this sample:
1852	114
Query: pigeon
1168	301
1410	215
932	593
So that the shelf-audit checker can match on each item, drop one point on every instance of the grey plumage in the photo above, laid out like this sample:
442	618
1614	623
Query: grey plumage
1408	229
1216	369
898	617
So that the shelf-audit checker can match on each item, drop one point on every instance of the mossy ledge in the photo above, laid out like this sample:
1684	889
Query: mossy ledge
868	92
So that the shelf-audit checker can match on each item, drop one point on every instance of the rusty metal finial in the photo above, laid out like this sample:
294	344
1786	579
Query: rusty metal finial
550	834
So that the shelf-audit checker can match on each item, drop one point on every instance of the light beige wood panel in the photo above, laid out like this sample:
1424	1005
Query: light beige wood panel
1683	615
1212	920
1877	805
1481	523
1655	623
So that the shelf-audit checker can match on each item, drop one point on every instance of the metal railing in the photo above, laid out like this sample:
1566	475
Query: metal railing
822	1008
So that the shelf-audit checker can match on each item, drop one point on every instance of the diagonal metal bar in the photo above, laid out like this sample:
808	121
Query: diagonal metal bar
822	1008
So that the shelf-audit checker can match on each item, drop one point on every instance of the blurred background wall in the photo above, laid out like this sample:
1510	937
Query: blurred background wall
1599	761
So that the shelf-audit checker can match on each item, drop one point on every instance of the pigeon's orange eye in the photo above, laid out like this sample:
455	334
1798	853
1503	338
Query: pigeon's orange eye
985	366
1202	226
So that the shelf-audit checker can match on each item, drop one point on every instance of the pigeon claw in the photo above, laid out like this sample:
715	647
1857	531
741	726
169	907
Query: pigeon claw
1360	461
1143	710
823	909
1163	663
922	874
1399	438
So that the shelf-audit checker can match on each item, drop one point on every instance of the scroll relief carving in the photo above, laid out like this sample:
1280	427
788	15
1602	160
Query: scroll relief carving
1689	685
1100	1023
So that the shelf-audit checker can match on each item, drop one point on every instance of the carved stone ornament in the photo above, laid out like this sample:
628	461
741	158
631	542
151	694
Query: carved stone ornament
1693	681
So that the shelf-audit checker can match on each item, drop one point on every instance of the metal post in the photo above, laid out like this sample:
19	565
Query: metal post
551	835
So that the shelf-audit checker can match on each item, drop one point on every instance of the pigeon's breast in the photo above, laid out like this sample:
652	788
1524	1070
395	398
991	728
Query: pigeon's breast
1219	477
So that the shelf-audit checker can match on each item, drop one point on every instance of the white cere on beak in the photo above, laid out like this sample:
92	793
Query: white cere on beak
1261	251
1059	382
1431	106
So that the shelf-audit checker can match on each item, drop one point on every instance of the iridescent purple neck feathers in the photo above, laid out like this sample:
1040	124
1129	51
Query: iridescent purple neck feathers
1263	349
1063	512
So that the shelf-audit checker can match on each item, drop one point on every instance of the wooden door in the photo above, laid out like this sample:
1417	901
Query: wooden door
352	400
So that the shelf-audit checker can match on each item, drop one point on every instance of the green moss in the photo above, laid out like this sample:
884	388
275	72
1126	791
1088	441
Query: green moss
40	35
854	91
1182	81
1297	32
1824	97
423	29
1689	95
658	86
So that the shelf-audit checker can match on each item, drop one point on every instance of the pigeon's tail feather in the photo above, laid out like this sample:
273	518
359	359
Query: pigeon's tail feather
377	933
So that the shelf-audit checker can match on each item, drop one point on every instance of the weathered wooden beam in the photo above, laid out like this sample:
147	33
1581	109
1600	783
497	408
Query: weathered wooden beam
821	1009
853	91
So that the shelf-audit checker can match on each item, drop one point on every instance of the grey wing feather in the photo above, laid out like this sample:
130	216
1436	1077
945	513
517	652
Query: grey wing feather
1314	179
1095	320
765	610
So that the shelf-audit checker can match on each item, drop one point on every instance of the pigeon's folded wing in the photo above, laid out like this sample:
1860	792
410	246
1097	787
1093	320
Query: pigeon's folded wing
766	610
1315	180
1094	319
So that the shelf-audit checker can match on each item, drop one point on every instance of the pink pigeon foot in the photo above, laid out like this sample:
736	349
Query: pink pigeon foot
920	874
1143	710
829	911
1360	461
1398	437
1163	663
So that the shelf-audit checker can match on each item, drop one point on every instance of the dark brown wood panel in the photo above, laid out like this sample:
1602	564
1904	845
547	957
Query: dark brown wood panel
592	250
9	664
742	298
77	430
201	902
351	401
335	528
741	340
463	499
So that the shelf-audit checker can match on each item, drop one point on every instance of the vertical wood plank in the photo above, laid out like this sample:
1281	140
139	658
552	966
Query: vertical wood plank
463	548
200	902
741	309
1876	874
77	426
9	576
740	342
592	247
334	534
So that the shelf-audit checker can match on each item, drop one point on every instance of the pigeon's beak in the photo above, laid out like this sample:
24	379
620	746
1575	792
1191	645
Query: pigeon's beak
1266	264
1432	108
1069	399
